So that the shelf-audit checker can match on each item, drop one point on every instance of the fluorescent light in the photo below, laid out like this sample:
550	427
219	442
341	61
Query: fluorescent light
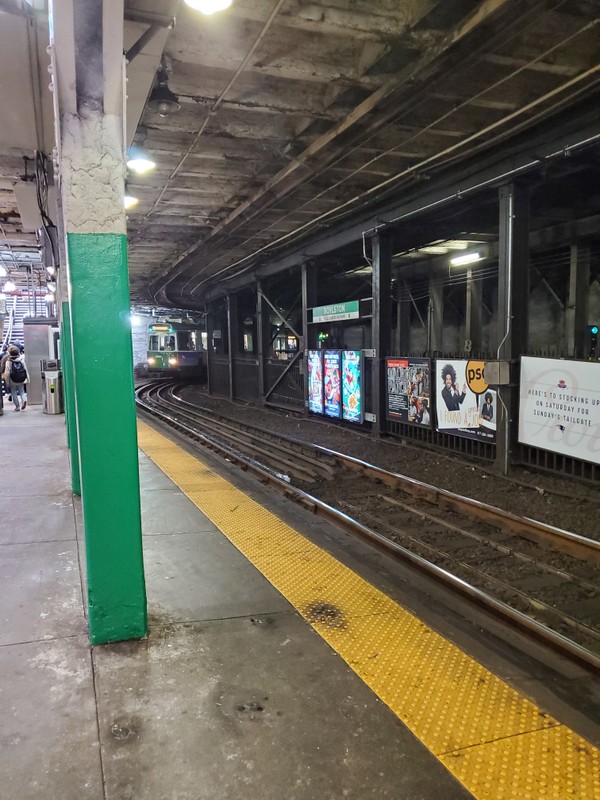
208	6
468	258
434	249
139	162
9	286
51	286
456	244
141	165
135	320
50	270
49	298
129	201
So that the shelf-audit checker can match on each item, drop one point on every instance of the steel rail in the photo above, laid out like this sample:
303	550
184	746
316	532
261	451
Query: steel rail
572	544
307	468
269	477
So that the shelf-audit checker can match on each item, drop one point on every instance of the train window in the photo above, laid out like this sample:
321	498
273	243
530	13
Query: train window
168	343
187	340
153	342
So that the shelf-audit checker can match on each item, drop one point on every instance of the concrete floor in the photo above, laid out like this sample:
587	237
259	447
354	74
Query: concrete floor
232	694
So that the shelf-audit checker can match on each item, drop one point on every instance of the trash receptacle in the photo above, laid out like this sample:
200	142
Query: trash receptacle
52	388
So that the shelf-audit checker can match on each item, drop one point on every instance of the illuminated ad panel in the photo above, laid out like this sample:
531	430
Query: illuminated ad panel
559	406
315	381
409	390
332	383
466	406
352	396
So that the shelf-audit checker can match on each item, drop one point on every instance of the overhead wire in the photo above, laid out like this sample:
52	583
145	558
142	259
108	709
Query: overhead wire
416	167
213	110
41	187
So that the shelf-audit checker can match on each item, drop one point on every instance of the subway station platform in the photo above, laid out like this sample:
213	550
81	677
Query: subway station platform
284	661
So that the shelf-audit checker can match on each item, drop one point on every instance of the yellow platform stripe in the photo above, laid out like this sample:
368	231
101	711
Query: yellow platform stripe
499	744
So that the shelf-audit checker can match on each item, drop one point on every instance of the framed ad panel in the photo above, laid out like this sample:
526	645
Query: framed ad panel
465	405
352	386
314	360
409	390
559	406
332	383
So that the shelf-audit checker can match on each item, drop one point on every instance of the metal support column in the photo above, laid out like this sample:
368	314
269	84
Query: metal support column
309	300
513	302
262	338
403	319
473	315
578	302
382	312
435	314
232	337
209	347
88	80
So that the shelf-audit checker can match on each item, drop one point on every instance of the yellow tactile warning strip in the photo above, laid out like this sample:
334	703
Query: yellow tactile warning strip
497	743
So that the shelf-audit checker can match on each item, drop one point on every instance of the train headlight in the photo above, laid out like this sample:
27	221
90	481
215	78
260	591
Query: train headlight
172	360
151	360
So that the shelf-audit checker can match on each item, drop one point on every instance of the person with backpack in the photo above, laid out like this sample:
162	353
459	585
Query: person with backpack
16	376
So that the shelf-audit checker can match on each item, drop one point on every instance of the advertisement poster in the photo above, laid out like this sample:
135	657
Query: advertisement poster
559	407
409	390
352	402
315	381
332	383
465	404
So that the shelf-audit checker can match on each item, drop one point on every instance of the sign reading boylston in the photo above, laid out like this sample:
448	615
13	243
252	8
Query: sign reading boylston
336	311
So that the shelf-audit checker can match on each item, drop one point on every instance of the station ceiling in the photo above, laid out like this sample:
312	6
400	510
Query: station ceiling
295	113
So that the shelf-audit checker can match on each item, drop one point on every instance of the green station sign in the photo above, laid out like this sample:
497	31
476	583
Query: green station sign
336	311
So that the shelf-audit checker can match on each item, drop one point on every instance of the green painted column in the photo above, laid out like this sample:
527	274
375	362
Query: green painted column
88	82
66	352
103	360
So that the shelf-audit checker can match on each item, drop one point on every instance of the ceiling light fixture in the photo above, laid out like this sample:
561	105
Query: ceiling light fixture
51	286
208	6
468	258
49	298
9	286
139	162
162	98
129	201
434	250
50	270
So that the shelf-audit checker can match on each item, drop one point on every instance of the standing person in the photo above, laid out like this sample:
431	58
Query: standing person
16	376
452	397
3	384
487	409
424	416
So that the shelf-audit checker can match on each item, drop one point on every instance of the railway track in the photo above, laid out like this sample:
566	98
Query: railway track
541	578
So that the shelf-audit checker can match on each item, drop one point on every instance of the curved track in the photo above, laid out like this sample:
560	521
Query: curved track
540	578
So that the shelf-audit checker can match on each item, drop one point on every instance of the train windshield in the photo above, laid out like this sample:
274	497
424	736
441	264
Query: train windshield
187	340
